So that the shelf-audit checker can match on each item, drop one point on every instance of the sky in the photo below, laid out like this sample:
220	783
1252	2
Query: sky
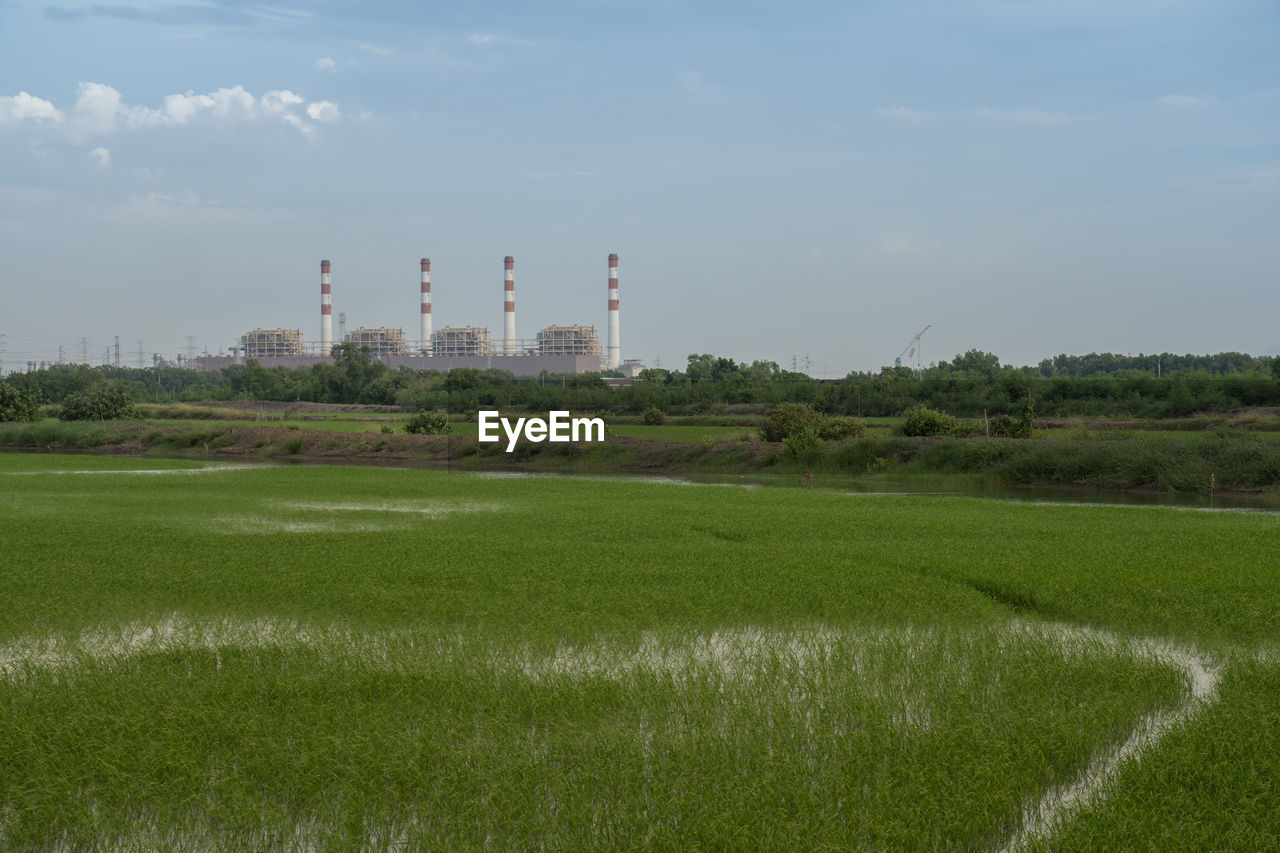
805	182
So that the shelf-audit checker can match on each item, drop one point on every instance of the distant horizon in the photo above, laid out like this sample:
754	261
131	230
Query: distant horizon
129	360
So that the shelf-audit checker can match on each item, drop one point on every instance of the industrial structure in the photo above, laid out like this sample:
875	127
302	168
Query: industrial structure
568	340
615	344
381	342
326	308
556	349
455	341
270	343
424	343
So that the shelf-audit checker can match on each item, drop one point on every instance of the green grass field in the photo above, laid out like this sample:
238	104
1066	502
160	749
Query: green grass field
278	657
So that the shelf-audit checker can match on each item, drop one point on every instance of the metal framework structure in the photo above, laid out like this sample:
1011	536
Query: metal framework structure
568	340
266	343
381	341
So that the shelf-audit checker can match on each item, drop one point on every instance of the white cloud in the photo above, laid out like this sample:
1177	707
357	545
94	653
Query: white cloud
325	64
1028	117
293	120
100	109
907	115
22	106
376	50
323	111
103	155
1182	101
279	100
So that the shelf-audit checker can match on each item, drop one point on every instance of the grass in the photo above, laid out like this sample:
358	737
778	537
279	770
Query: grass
308	423
252	657
1169	461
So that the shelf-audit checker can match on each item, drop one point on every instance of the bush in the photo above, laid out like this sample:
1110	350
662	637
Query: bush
841	427
98	405
428	423
792	419
654	416
16	404
923	421
1007	427
804	445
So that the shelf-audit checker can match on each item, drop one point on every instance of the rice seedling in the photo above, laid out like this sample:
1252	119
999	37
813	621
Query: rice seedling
250	657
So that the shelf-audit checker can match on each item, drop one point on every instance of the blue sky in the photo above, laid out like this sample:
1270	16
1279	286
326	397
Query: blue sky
806	180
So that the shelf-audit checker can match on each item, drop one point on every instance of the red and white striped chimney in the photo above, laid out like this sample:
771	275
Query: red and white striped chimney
326	310
426	306
509	303
615	345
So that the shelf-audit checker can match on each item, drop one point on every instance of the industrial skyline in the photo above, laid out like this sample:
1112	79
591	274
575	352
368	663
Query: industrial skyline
812	181
554	349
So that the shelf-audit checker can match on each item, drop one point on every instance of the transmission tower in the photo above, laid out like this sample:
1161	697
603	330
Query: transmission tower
191	347
84	350
141	344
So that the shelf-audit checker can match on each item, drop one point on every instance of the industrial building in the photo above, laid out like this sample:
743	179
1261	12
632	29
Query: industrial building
568	340
269	343
453	341
381	342
556	349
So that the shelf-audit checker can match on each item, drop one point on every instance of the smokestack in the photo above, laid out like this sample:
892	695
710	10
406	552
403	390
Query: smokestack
426	306
326	310
509	303
615	345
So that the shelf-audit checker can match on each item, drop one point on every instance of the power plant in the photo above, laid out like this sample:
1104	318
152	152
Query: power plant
555	349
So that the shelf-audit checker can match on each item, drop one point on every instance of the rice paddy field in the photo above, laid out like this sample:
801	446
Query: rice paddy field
201	656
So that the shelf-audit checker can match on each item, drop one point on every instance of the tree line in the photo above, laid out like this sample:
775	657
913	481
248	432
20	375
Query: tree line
1140	386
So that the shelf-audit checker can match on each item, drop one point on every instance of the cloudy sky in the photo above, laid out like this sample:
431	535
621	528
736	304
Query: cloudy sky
794	180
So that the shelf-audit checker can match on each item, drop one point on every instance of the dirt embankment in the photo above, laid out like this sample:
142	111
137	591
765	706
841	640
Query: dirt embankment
211	440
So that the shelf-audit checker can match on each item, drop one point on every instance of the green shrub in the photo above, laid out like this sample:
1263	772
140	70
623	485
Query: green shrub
428	423
1020	427
923	421
804	445
294	444
653	416
841	427
17	404
101	404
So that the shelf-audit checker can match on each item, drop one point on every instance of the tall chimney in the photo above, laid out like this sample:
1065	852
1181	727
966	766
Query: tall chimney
326	310
426	306
509	303
615	345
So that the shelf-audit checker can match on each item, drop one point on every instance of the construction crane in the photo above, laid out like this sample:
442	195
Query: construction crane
911	348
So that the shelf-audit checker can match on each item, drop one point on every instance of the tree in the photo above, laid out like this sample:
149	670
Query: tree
356	368
16	404
101	404
978	363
